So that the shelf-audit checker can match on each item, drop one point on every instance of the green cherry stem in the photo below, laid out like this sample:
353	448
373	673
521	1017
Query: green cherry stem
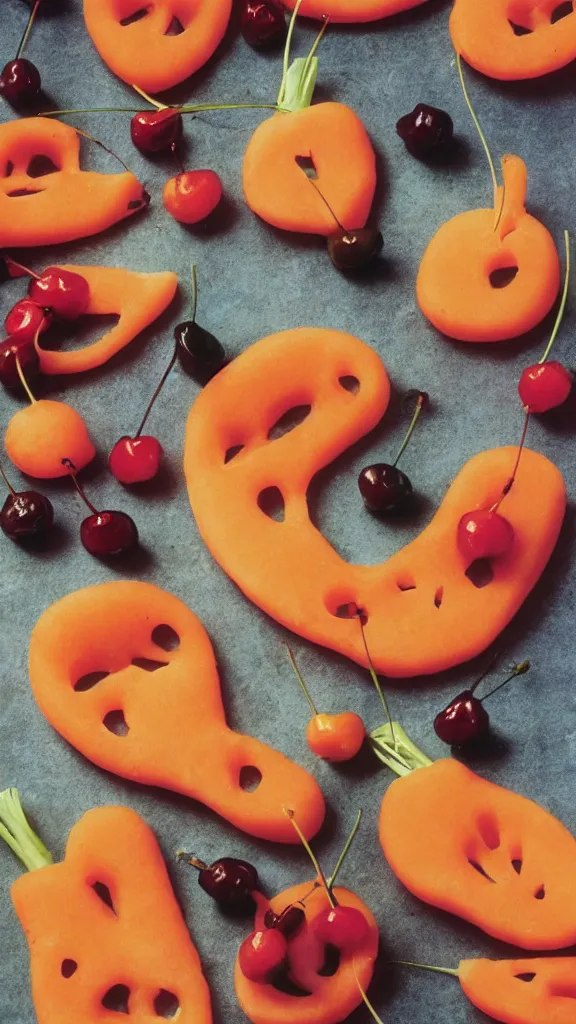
23	380
145	96
421	402
97	142
7	482
510	483
477	123
73	476
518	670
427	967
19	836
312	856
194	292
344	854
287	48
564	299
375	679
27	30
298	675
365	999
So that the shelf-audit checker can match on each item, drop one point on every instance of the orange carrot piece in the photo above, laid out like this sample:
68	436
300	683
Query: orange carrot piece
352	10
67	203
330	999
145	51
82	950
481	852
157	717
483	34
454	287
424	613
541	991
137	299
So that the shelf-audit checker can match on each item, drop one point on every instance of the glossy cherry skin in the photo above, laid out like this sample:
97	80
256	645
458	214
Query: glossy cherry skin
336	737
342	927
133	460
426	132
464	719
27	357
354	250
484	534
262	953
26	516
20	83
153	131
544	386
108	534
384	488
262	23
192	196
231	882
200	353
288	922
63	292
27	319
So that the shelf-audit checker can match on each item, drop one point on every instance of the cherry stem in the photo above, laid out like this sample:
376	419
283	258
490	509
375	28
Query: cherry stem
7	482
145	96
312	54
23	380
477	123
72	471
519	670
102	146
365	999
287	48
344	854
325	201
486	671
375	679
312	856
194	292
421	402
28	29
163	380
194	862
20	266
427	967
298	675
198	108
502	205
509	485
563	302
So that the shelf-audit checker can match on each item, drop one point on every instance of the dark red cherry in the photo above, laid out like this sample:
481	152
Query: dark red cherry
108	534
288	922
27	319
426	132
354	250
24	350
385	488
230	882
463	720
153	131
20	83
200	353
262	23
26	516
64	292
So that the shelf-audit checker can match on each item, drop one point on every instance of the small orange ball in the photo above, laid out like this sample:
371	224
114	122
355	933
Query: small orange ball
192	196
336	737
41	435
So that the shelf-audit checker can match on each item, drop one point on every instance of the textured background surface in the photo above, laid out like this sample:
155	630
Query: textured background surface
255	281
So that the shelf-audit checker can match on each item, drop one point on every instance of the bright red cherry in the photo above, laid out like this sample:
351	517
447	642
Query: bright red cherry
544	386
134	460
261	953
24	350
65	293
484	534
262	22
27	319
342	927
463	720
153	131
192	196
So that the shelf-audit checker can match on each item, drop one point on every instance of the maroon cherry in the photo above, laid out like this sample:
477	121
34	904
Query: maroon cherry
385	488
262	23
229	881
105	534
63	292
426	132
288	922
27	319
466	718
26	515
18	350
20	81
153	131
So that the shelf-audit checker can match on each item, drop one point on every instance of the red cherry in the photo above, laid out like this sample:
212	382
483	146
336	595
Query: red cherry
108	534
261	953
192	196
27	319
153	131
342	927
262	22
463	720
544	386
20	83
484	534
28	358
135	459
65	293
